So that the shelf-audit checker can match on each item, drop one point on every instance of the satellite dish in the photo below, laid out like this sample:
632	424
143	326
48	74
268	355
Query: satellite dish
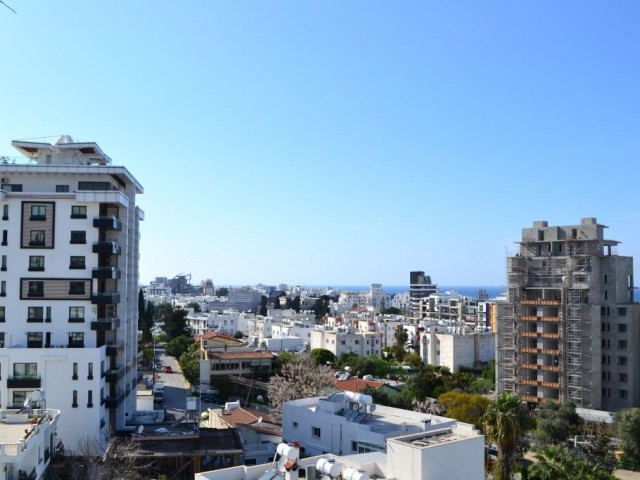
140	429
259	419
36	395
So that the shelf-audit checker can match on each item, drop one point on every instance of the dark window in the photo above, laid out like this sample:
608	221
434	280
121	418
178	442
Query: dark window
622	344
5	212
622	311
76	288
75	371
2	317
36	289
74	404
3	288
4	237
623	377
76	340
35	314
95	186
622	328
62	188
36	263
622	360
36	238
623	394
76	262
1	339
34	339
25	370
4	263
90	398
38	213
76	314
78	211
90	374
315	432
78	236
12	187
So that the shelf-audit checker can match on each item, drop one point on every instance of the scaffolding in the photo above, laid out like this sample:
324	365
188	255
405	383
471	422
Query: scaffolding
577	342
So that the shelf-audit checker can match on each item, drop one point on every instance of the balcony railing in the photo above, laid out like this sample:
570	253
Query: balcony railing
105	298
108	222
106	272
113	401
115	374
534	366
24	381
109	248
105	324
114	349
533	318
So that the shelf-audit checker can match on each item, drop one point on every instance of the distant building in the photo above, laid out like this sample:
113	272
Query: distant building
420	286
345	339
570	329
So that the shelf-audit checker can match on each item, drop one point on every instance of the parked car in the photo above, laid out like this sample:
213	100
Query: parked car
168	369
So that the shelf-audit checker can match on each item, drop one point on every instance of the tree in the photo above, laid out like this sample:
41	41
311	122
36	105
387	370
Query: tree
263	306
597	447
465	407
390	311
190	366
321	356
413	359
559	463
174	320
299	378
142	319
321	306
401	336
180	345
195	306
222	292
556	422
238	334
627	428
295	303
426	383
505	422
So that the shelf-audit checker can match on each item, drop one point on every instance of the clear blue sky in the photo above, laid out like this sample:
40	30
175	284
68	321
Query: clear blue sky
334	142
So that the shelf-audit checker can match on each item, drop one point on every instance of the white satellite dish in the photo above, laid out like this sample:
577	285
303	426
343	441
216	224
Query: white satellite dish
140	429
36	395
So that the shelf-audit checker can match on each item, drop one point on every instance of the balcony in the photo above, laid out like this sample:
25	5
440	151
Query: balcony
540	302
114	349
536	383
24	381
548	351
533	366
105	324
533	318
105	298
112	273
112	401
114	374
108	248
540	334
109	223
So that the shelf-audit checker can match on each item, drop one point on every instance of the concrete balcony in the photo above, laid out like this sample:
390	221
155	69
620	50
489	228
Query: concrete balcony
107	248
105	324
112	401
112	273
114	349
108	223
115	374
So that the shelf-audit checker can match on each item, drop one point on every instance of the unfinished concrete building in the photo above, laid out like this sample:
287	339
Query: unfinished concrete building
570	329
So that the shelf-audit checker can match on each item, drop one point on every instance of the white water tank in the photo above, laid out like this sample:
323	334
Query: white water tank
353	474
328	466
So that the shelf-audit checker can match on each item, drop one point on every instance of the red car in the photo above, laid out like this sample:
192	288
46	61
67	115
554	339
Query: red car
168	369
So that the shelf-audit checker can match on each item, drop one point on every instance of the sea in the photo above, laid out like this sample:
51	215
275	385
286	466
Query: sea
471	291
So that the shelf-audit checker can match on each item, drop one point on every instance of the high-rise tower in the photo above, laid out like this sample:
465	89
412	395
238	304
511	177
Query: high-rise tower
420	286
570	329
69	284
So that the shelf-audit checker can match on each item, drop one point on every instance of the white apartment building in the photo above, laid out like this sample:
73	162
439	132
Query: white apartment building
226	322
402	301
455	349
344	339
28	442
69	285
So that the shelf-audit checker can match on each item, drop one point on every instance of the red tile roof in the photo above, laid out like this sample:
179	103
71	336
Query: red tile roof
243	416
221	336
357	384
244	354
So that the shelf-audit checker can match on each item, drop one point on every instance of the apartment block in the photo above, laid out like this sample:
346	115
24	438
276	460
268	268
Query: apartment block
570	329
420	286
69	286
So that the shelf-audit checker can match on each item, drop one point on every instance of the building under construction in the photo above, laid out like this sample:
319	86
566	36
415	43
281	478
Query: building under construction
570	329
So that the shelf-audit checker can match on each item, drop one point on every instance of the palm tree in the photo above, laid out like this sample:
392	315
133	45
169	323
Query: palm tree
559	463
505	422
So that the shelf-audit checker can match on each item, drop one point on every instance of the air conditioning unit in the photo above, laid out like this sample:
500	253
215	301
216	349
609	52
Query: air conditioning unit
4	180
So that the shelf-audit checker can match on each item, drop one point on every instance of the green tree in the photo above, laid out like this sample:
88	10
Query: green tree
413	360
427	383
401	336
190	366
555	422
321	306
143	325
180	345
195	306
559	463
505	422
238	334
322	356
222	292
465	407
295	303
174	320
263	306
390	311
627	428
598	447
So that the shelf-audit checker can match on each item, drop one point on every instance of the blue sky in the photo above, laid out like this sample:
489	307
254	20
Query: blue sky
336	142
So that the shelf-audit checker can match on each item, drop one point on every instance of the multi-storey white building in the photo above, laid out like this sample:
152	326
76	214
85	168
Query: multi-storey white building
344	339
69	285
456	347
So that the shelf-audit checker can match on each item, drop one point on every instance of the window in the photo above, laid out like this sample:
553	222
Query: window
76	288
4	263
605	279
622	360
25	370
78	236
90	374
36	263
95	186
4	237
315	432
34	339
12	187
1	339
36	238
75	371
78	211
76	263
3	288
623	377
90	399
622	328
62	188
38	213
5	212
295	424
2	317
622	311
36	289
76	314
74	404
35	314
622	394
48	317
76	340
622	344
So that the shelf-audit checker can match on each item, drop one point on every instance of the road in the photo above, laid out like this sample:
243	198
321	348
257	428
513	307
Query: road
175	390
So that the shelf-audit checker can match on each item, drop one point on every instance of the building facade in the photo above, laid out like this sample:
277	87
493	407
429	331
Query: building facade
420	286
69	285
570	329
